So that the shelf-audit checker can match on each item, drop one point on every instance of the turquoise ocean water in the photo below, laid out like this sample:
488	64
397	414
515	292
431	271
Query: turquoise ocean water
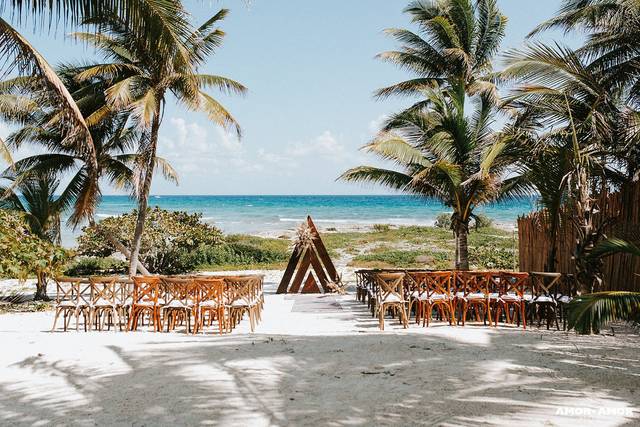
270	214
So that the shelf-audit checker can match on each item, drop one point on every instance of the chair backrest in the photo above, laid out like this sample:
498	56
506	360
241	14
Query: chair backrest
178	289
390	285
210	289
68	289
417	283
439	282
146	289
244	288
545	284
104	288
473	282
513	283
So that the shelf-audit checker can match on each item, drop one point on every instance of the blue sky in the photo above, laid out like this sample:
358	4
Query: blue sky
310	70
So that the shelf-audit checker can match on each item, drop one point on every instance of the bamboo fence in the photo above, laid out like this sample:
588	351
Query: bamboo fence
621	272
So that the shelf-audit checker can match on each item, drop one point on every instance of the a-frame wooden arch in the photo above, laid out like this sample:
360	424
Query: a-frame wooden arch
310	267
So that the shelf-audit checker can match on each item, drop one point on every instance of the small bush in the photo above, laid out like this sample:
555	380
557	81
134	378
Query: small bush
381	228
236	253
168	240
94	266
491	257
482	221
443	220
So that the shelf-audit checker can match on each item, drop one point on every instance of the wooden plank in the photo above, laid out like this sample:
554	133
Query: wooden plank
288	273
322	252
310	285
317	267
302	269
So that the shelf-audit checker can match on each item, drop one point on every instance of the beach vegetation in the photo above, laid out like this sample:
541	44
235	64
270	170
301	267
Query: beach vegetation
169	239
142	75
443	146
25	255
96	266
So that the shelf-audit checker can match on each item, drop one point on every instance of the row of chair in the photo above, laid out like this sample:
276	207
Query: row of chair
159	301
489	296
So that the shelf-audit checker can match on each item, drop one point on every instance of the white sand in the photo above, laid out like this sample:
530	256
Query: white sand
316	360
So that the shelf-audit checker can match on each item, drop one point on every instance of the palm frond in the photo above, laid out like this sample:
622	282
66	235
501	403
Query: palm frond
590	313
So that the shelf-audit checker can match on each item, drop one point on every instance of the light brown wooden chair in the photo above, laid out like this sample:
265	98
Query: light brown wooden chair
180	301
390	295
104	302
511	297
242	295
437	296
68	301
145	299
211	305
474	295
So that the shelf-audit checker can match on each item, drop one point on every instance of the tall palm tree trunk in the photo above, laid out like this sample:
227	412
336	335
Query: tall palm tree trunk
462	246
143	196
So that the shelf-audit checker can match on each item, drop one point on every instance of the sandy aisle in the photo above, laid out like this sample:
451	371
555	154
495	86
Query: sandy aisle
315	361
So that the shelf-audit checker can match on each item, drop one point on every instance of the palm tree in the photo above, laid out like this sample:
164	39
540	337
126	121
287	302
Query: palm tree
453	49
141	76
443	154
115	140
613	31
574	106
35	199
154	24
589	313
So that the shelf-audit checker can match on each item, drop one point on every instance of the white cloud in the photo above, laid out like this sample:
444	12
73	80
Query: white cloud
324	145
376	124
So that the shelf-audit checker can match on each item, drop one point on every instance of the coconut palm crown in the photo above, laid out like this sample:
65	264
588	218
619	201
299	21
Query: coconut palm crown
453	47
443	154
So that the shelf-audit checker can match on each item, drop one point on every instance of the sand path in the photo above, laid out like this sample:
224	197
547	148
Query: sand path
316	360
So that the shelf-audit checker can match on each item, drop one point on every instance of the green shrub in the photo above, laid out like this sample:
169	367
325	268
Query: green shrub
236	253
443	220
482	221
491	257
24	254
168	240
381	228
94	266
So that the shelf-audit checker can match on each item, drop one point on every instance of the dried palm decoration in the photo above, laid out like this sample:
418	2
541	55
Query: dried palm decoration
303	238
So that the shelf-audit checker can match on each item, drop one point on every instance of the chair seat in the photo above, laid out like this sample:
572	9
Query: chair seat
475	296
494	296
66	304
392	298
242	303
176	304
565	299
101	302
510	298
209	304
434	297
544	299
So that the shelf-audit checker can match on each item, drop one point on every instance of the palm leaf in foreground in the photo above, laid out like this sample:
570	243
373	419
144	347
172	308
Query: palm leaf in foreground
589	313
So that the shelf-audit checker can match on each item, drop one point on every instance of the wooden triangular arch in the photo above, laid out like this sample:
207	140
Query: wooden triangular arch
311	265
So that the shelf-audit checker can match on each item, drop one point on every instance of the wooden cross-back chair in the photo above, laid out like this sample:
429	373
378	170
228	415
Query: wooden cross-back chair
104	302
242	294
511	299
438	295
417	291
390	295
544	302
145	300
69	302
180	300
211	303
474	290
